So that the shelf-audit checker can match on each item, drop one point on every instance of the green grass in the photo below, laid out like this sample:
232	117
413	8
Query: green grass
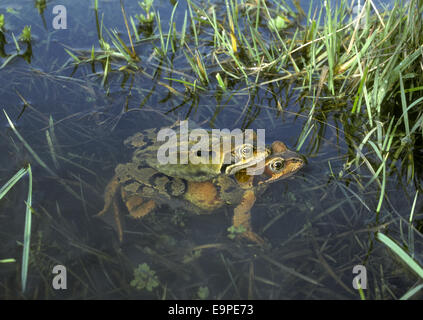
27	231
407	259
403	255
23	41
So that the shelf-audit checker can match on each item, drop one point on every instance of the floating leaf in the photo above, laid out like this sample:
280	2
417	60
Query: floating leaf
203	293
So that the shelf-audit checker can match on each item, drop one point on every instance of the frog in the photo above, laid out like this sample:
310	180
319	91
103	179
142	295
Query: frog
145	165
227	160
142	187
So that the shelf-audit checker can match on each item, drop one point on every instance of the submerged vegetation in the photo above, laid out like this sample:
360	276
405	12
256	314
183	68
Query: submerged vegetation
350	66
24	38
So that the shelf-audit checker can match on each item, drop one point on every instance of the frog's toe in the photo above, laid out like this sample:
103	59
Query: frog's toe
138	208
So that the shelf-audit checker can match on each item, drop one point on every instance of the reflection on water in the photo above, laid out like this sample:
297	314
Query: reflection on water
319	223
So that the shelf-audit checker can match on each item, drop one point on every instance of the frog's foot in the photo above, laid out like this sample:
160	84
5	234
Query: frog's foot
109	195
138	207
242	217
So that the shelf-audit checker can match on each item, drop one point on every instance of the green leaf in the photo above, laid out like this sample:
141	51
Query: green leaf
73	56
12	181
401	253
144	278
277	24
26	34
203	293
27	231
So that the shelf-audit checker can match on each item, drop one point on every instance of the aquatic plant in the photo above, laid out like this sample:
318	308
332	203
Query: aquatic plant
144	278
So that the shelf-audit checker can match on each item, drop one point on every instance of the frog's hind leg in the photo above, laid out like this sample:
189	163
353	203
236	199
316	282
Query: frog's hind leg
109	200
137	206
109	195
242	217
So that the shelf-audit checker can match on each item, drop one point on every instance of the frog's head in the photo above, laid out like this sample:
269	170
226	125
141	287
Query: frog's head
280	163
244	156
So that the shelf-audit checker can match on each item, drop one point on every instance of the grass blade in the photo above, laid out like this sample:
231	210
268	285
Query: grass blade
401	253
27	232
9	184
10	260
27	146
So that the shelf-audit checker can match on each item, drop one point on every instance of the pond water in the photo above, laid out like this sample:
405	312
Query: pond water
318	224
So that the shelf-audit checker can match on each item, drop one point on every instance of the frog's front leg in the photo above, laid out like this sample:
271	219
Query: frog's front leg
242	217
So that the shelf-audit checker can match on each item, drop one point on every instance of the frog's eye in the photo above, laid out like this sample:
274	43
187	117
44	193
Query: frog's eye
246	151
276	165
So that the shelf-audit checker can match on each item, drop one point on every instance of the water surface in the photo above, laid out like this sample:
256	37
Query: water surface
319	224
